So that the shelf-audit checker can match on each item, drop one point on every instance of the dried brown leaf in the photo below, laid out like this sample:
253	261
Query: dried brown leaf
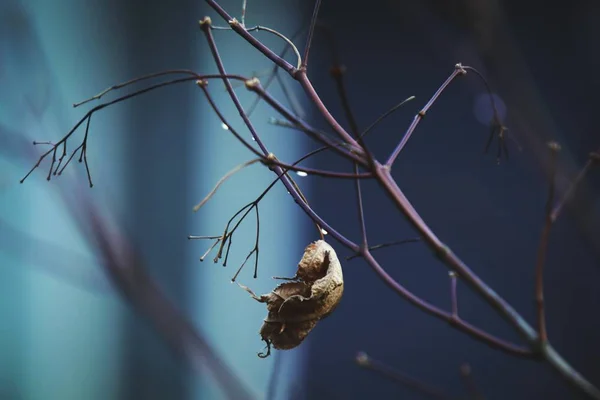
295	307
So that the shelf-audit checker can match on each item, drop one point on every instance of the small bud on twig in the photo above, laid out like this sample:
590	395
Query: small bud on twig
205	22
362	359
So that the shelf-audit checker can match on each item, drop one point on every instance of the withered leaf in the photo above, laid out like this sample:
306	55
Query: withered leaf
295	307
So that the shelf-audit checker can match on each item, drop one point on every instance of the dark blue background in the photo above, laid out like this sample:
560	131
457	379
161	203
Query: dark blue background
540	60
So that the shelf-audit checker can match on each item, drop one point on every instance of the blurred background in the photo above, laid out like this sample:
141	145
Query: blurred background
73	328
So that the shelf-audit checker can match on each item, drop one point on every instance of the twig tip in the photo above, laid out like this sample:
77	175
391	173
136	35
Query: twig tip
205	22
362	359
252	83
465	369
554	146
460	68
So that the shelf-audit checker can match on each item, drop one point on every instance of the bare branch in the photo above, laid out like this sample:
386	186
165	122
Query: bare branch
240	30
275	74
346	150
458	71
83	146
430	309
299	75
337	72
136	80
270	159
258	28
226	238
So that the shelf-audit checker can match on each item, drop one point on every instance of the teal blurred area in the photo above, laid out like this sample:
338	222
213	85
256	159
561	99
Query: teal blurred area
67	331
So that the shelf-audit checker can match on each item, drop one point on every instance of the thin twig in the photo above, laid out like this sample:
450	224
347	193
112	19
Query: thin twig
384	245
274	73
385	115
223	179
244	3
311	31
266	29
135	80
594	159
453	294
347	150
458	70
337	73
543	246
210	248
430	309
241	30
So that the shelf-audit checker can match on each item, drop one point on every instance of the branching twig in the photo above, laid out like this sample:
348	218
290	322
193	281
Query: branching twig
270	159
458	70
337	72
136	80
383	245
83	146
430	309
260	28
226	237
298	74
275	74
